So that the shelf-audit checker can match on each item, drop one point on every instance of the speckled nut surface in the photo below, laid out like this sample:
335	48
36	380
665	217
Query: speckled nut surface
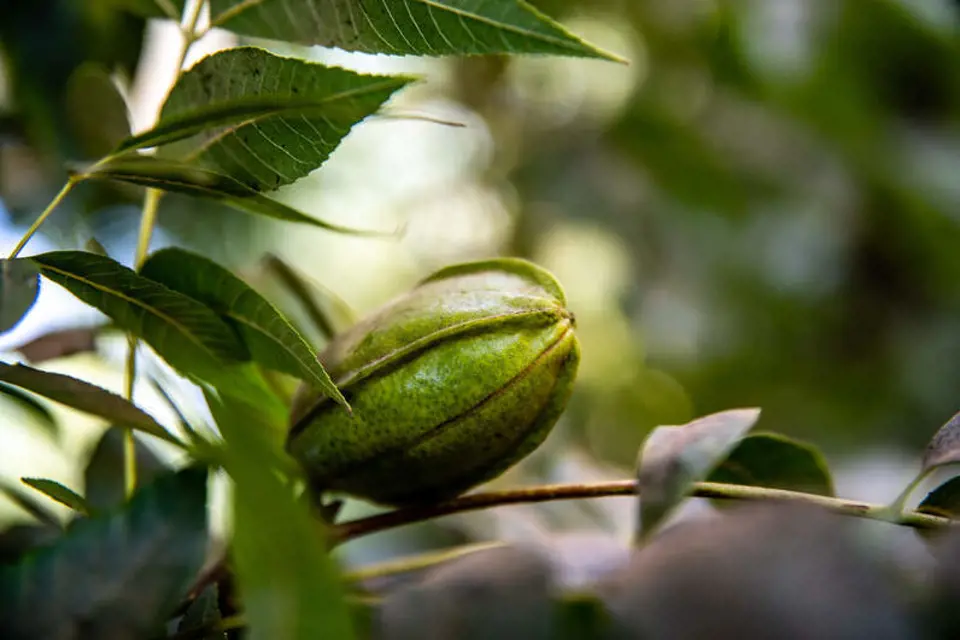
450	384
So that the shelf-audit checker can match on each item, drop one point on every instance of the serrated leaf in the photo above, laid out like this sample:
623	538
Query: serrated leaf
182	177
405	27
673	458
113	576
943	501
84	397
289	584
56	491
189	336
263	119
778	462
272	341
96	112
19	287
104	477
39	414
944	447
330	315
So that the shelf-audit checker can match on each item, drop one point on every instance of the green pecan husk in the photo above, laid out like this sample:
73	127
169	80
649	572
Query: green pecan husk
450	384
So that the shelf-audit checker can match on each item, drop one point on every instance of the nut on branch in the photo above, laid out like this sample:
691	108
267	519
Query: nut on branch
451	384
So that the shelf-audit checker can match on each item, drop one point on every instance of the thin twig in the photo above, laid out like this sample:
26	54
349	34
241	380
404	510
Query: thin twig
71	182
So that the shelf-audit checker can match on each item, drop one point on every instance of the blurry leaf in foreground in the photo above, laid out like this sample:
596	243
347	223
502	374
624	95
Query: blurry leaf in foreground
39	414
496	593
97	113
943	501
112	576
944	447
18	539
775	461
675	457
290	586
19	287
62	494
83	396
762	571
272	341
104	476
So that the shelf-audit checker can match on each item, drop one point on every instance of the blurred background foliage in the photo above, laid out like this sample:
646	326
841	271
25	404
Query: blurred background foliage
760	209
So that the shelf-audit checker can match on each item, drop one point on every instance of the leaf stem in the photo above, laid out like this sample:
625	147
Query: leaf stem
129	442
353	529
67	187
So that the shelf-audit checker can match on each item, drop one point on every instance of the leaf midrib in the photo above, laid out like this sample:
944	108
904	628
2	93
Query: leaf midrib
241	7
171	320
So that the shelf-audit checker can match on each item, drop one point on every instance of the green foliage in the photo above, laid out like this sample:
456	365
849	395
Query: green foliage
861	120
775	461
272	341
116	575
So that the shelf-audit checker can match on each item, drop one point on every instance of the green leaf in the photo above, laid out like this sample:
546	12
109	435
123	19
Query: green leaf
775	461
104	477
84	397
56	491
38	413
96	111
19	287
272	341
263	119
943	501
113	576
18	539
673	458
944	447
188	335
290	586
182	177
405	27
329	314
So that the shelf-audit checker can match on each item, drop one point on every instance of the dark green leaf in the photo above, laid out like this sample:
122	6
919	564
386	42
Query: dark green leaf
775	461
188	335
286	579
181	177
944	500
944	448
330	315
84	397
113	576
579	617
60	493
675	457
272	341
29	503
96	110
19	287
104	477
38	413
415	27
261	118
203	613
